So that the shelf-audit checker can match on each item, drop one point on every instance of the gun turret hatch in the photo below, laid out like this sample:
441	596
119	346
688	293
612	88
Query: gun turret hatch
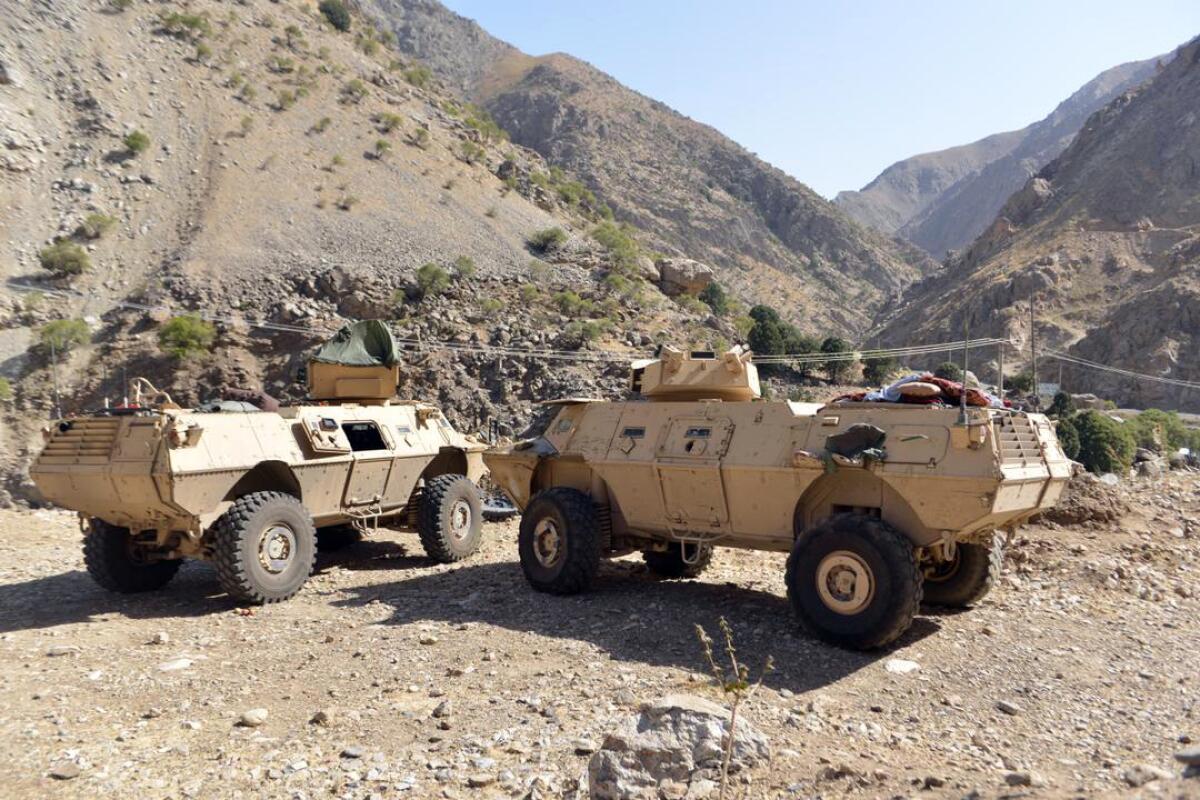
679	376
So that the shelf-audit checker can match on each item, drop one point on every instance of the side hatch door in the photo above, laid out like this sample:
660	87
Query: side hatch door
688	466
372	449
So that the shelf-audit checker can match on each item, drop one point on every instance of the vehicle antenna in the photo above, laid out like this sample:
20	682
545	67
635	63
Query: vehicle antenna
54	380
962	395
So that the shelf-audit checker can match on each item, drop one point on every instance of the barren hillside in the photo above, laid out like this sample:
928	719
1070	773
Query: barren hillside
1104	240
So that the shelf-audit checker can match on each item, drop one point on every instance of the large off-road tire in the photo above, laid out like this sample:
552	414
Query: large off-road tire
669	563
337	537
450	518
115	564
964	581
853	580
264	547
559	541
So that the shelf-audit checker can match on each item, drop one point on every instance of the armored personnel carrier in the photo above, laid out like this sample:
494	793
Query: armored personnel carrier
252	490
878	504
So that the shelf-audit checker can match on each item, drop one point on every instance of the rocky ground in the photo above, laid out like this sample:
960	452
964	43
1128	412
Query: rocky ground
390	676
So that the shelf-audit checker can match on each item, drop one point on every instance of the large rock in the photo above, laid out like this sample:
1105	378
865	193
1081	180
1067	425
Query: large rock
683	276
678	739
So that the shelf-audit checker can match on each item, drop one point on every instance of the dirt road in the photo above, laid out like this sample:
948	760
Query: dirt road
390	676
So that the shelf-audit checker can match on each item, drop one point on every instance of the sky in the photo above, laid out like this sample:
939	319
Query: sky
835	92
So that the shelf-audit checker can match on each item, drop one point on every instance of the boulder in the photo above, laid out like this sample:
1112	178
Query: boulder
677	740
683	276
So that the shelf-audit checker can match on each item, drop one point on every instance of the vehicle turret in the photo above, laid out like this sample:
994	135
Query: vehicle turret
682	376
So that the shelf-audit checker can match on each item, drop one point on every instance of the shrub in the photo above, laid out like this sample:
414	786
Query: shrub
246	125
1105	445
419	137
293	36
1062	406
619	243
949	371
136	142
571	304
321	125
716	299
203	52
470	152
336	12
63	335
64	258
119	5
95	225
1068	438
354	91
6	392
836	369
490	306
386	122
547	239
692	305
419	76
529	292
432	280
185	26
1022	382
347	202
582	331
876	371
464	266
382	148
1155	429
186	336
482	121
285	99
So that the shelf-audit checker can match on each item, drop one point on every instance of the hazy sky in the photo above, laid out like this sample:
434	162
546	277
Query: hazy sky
834	92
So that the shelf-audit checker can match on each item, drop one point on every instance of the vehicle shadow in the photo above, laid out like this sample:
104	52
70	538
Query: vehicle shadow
73	597
632	616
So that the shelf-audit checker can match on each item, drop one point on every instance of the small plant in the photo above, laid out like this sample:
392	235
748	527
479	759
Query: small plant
203	52
529	293
119	5
715	298
185	26
464	266
386	121
382	148
619	241
186	337
64	258
419	137
490	305
95	225
419	76
336	13
692	305
136	142
246	125
347	202
248	93
281	65
734	682
571	304
292	36
354	91
321	125
63	335
432	280
6	391
471	153
284	99
336	161
547	239
492	212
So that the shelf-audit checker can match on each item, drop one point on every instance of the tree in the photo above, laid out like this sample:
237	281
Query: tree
336	12
766	337
876	371
1021	382
949	371
432	280
714	295
1105	445
63	335
1068	438
837	369
186	337
1062	406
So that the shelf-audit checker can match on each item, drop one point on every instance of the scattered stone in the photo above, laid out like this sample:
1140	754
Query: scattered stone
161	638
65	771
175	665
900	666
478	781
322	718
352	752
253	718
443	709
1012	709
60	650
1190	756
1141	774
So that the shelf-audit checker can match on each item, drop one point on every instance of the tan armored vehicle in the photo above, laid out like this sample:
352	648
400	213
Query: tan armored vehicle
252	490
878	503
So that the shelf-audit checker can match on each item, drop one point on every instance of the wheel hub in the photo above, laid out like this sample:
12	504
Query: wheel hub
845	582
547	542
460	519
276	548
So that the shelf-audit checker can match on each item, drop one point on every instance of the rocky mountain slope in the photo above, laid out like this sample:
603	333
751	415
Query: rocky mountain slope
697	192
1105	240
294	175
942	200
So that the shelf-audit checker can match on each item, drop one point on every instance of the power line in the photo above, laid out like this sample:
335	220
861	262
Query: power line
1083	362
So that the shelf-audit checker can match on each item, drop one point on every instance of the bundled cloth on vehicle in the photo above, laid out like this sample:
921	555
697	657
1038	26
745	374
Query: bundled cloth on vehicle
362	344
925	388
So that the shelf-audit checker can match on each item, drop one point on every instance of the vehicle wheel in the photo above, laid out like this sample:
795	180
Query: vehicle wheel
965	580
853	581
114	563
450	518
264	547
337	537
669	563
559	541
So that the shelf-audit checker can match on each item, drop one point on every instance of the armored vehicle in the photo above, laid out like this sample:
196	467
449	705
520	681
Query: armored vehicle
877	503
252	490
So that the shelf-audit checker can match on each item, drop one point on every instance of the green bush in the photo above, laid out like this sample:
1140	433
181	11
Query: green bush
95	225
547	239
1105	445
570	304
186	336
1022	382
382	148
619	242
490	306
692	305
482	121
6	390
354	91
876	371
1062	406
1068	437
948	371
419	137
1155	429
837	370
136	142
419	76
464	266
185	26
386	121
63	335
471	153
336	12
432	280
716	299
64	258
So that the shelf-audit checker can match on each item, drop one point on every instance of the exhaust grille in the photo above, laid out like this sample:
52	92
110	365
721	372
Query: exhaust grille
85	441
1018	440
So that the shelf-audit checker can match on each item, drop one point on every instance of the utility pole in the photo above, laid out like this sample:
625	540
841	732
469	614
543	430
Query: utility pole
54	380
1033	349
1000	381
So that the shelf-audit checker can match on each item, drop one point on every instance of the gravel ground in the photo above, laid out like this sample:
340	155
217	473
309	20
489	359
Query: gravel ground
393	677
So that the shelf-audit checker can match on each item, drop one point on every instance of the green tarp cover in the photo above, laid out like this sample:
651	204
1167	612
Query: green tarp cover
361	344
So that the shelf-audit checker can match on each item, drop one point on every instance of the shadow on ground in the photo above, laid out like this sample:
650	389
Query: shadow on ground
632	616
